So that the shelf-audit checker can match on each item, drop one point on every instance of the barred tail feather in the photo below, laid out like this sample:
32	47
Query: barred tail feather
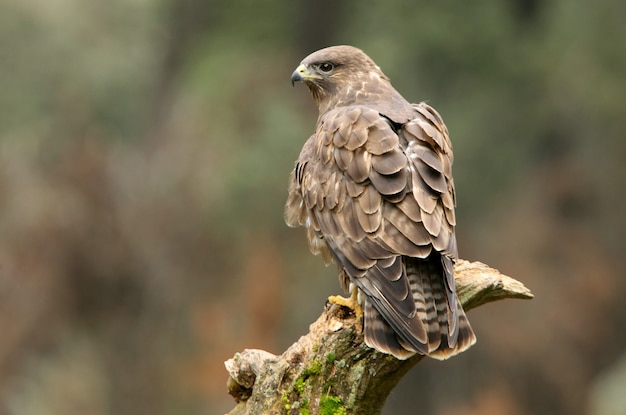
379	335
465	338
449	332
439	328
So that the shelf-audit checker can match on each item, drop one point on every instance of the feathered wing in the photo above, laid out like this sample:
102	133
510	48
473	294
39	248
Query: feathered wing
378	198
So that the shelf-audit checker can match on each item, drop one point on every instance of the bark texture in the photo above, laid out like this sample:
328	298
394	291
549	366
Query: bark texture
330	370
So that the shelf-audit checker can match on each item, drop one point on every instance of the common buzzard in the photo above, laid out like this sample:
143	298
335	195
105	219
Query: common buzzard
373	187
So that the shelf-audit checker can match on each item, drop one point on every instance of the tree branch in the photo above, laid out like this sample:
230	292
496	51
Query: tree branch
330	370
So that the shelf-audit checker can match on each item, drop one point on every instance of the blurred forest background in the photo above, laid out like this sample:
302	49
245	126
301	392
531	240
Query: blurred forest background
145	148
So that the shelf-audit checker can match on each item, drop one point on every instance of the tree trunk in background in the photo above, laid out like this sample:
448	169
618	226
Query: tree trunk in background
318	23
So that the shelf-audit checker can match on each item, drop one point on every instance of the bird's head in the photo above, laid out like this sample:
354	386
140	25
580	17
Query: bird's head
339	76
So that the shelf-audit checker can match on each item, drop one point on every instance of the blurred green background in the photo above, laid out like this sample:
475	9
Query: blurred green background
145	147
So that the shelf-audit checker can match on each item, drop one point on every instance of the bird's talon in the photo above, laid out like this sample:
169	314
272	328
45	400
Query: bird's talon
349	302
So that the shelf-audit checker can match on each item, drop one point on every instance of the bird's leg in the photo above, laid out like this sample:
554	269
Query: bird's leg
351	302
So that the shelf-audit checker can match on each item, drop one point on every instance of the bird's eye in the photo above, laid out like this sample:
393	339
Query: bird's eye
326	67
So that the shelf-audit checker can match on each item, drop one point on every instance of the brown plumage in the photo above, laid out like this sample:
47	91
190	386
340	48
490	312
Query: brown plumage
373	186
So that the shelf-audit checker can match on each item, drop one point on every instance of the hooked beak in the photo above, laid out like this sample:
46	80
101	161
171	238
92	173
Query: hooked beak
302	74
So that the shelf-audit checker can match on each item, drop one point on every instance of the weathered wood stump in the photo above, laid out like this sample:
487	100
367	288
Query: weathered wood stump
330	370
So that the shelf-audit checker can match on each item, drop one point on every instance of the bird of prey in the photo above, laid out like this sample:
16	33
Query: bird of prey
373	187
